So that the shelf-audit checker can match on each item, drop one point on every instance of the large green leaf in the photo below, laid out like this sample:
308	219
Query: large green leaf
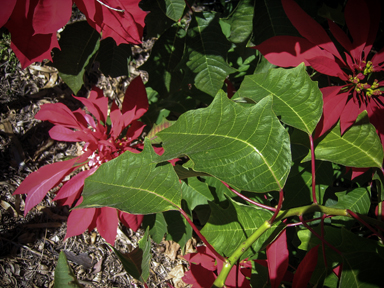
230	226
241	21
246	147
156	22
270	20
78	42
133	183
359	146
137	262
207	48
173	8
64	277
296	98
114	60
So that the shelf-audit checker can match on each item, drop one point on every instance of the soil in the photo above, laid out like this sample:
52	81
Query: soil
30	245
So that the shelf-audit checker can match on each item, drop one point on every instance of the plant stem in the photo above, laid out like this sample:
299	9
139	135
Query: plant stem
232	260
319	236
354	215
313	165
251	201
279	205
209	246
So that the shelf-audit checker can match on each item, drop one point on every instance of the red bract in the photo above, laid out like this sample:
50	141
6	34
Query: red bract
204	268
102	143
361	91
33	24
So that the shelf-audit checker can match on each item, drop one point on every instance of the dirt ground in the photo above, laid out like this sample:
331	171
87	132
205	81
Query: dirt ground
29	246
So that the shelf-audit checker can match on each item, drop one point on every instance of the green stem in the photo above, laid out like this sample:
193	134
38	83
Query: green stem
313	170
220	280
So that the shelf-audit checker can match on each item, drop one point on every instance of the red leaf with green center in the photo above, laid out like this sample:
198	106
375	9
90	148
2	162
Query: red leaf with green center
277	255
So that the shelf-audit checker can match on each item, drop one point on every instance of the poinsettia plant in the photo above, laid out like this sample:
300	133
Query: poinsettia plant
263	180
101	143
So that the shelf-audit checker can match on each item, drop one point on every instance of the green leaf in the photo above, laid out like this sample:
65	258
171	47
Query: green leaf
156	22
133	183
241	21
230	226
196	193
359	147
78	42
173	8
207	48
157	226
245	147
184	173
114	60
137	262
64	276
357	200
166	54
270	20
178	229
298	189
296	98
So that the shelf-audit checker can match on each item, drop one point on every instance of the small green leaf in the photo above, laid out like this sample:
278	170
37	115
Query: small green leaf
270	20
184	173
133	183
157	226
196	193
64	277
207	49
246	147
114	60
78	42
228	227
357	200
296	98
137	262
241	21
359	147
173	8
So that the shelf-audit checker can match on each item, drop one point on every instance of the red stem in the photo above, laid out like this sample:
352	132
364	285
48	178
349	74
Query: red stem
313	170
209	246
365	224
251	201
281	199
318	236
189	6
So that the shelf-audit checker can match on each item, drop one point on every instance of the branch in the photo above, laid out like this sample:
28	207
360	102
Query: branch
249	200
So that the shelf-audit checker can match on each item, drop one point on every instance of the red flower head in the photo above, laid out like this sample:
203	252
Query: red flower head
361	90
102	143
